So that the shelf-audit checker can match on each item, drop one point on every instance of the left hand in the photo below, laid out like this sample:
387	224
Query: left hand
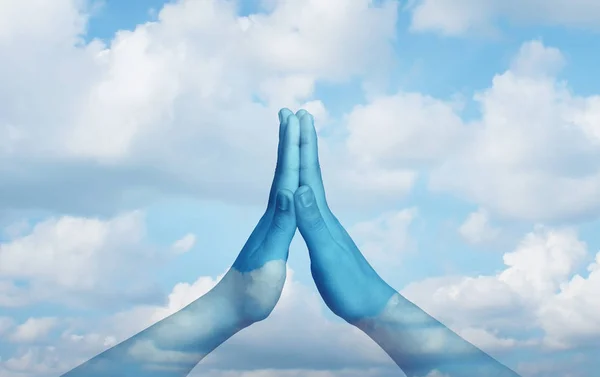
254	283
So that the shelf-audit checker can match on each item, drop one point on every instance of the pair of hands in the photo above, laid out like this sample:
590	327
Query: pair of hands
419	344
347	283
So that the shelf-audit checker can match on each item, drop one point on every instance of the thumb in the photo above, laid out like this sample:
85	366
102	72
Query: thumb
282	228
310	221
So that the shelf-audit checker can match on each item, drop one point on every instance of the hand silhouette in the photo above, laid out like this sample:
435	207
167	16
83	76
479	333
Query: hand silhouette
419	344
246	294
256	279
249	291
258	274
348	284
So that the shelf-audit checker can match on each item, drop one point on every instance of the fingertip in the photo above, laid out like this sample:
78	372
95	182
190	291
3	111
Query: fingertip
293	130
284	113
300	113
308	134
307	117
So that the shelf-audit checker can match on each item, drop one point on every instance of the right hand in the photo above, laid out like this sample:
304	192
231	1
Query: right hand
346	281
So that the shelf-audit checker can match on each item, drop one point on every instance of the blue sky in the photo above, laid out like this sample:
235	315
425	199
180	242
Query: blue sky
459	144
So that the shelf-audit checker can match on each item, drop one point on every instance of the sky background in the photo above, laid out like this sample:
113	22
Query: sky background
459	142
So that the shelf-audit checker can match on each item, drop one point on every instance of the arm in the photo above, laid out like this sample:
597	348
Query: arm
420	345
247	294
174	345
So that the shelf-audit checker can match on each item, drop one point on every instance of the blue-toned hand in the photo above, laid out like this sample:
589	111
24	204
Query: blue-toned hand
256	279
249	291
246	294
346	281
419	344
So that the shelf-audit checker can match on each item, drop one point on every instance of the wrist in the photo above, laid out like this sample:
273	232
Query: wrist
419	343
228	317
368	301
251	296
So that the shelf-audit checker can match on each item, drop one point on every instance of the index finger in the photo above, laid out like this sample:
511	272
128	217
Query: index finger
288	156
310	169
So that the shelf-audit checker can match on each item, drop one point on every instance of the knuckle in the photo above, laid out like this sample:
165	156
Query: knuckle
316	224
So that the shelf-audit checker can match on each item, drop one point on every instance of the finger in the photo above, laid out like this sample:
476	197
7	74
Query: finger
310	170
277	241
300	113
288	162
310	221
258	233
310	174
283	116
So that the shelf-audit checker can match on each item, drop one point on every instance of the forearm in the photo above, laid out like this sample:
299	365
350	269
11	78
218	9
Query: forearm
174	345
421	345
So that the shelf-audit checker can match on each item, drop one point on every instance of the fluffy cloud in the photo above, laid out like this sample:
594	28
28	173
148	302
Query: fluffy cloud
37	361
477	228
451	17
75	260
184	244
539	289
531	155
396	131
570	317
383	239
33	329
171	105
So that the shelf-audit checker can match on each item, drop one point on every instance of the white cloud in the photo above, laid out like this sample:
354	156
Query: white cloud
457	17
477	228
533	153
33	361
383	239
570	317
557	366
533	147
64	18
539	289
171	105
396	131
73	259
34	329
184	244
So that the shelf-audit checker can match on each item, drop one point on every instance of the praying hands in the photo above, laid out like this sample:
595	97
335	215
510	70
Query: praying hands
420	345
